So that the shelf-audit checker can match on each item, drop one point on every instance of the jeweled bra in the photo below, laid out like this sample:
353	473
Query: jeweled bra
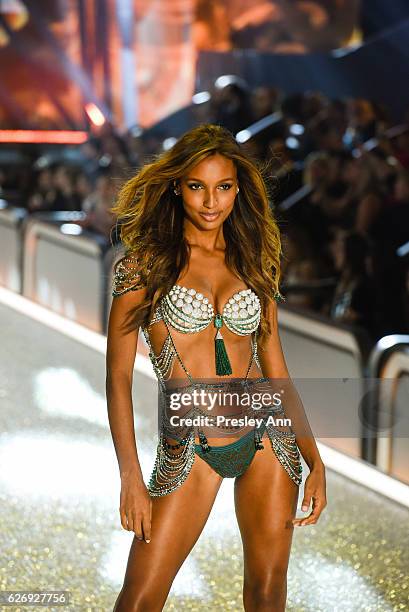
189	311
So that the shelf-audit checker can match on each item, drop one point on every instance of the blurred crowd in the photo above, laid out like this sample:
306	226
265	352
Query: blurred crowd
340	183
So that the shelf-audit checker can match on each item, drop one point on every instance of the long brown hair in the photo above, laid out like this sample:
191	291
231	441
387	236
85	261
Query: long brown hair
151	220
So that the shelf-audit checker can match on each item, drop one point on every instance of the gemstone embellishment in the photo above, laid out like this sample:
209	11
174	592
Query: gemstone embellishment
190	311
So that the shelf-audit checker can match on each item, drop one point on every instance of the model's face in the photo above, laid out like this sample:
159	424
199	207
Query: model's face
209	190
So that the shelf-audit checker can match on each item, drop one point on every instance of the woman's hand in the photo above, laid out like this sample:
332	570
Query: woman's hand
135	506
315	489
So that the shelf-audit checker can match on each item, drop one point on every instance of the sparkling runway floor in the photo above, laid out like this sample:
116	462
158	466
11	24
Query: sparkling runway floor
59	494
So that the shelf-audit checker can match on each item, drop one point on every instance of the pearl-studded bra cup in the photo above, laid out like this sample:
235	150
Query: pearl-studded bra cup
188	311
241	306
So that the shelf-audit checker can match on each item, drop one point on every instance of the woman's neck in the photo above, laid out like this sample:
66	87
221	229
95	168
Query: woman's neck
209	241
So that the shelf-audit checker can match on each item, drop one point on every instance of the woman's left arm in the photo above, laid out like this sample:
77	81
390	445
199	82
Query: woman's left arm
274	367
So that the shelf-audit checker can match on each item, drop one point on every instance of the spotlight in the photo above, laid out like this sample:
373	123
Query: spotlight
95	114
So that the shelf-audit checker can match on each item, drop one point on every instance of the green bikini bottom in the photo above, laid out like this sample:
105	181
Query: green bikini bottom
231	460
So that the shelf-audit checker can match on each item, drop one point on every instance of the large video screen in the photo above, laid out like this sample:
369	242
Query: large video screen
40	66
134	61
277	26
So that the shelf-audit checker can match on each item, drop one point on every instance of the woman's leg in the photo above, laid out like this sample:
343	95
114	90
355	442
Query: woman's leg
266	502
177	522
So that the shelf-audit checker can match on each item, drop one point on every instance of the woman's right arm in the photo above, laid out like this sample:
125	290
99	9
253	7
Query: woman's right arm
135	502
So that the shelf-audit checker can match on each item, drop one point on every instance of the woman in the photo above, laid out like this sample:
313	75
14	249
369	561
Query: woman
201	239
354	297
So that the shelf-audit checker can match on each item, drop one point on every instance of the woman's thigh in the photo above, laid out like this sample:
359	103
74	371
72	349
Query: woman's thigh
177	522
265	502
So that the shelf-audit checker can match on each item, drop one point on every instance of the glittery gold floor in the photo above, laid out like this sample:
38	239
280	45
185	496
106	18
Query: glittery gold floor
59	493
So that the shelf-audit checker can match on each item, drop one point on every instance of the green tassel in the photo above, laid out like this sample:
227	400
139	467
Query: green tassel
223	367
